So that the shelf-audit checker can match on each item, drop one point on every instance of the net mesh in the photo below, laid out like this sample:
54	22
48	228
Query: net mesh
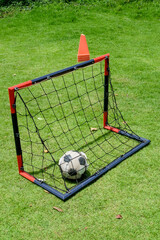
66	113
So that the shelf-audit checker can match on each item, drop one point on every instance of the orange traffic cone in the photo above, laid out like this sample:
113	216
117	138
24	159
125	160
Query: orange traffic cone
83	52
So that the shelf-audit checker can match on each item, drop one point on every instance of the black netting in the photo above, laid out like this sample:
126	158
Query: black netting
66	113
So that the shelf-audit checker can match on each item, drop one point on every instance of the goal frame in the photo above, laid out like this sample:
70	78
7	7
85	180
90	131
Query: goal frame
12	90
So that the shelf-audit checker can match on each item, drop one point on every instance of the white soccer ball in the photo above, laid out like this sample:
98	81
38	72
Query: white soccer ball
73	164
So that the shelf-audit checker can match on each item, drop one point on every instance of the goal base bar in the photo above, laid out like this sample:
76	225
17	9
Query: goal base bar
143	142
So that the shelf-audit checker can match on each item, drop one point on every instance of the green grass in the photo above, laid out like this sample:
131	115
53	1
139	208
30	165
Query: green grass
45	39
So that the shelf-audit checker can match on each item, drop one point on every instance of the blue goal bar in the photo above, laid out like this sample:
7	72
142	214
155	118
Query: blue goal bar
143	142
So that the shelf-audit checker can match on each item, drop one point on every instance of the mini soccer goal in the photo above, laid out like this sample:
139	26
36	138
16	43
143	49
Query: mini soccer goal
73	109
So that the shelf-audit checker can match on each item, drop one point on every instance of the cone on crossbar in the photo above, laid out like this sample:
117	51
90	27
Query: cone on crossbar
83	52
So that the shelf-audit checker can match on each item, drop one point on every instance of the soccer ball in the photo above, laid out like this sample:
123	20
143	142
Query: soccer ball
73	164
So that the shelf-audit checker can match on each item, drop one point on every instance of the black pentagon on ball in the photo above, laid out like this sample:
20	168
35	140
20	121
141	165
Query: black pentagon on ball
67	158
72	172
82	161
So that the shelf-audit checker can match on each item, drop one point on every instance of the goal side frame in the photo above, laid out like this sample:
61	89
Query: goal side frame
12	90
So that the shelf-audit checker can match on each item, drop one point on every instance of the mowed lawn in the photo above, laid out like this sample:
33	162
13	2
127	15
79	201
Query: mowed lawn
34	42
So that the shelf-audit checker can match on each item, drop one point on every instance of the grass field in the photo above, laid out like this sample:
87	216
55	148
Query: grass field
44	39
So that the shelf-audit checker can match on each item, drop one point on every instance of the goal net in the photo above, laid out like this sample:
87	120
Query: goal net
71	109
